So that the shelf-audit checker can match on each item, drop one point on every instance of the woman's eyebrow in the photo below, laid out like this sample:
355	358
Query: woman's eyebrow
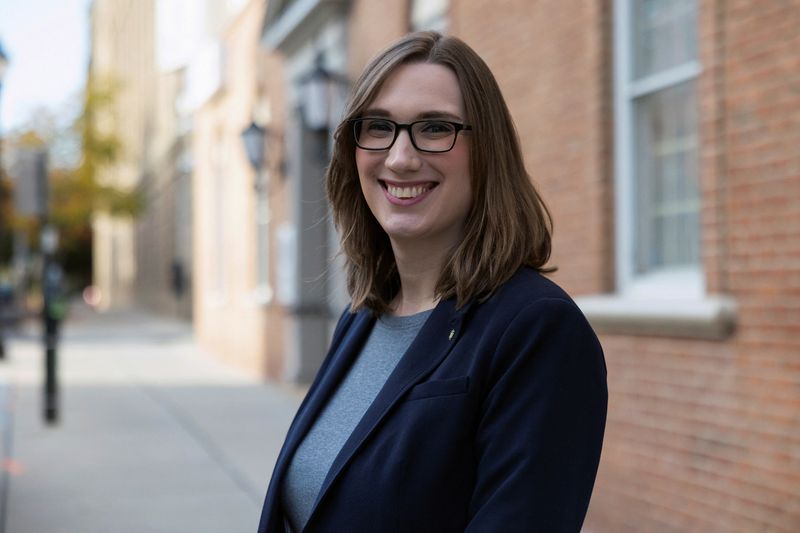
438	114
383	113
376	112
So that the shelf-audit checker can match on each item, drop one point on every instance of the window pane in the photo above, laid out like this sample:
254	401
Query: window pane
667	201
664	33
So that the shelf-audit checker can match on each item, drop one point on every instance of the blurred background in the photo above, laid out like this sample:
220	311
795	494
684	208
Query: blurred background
163	229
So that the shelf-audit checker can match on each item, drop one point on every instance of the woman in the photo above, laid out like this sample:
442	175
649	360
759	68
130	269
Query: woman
462	391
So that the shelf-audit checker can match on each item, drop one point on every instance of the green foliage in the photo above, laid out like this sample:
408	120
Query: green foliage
101	148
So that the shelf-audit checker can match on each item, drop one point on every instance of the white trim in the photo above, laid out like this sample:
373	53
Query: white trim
667	284
663	80
623	156
712	317
288	21
301	23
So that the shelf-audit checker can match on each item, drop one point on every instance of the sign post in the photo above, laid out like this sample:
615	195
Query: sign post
52	313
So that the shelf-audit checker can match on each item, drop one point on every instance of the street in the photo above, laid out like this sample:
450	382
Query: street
154	435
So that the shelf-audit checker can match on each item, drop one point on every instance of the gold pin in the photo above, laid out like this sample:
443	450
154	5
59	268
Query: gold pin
452	332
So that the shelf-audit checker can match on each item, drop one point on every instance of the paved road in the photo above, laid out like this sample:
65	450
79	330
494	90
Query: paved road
154	435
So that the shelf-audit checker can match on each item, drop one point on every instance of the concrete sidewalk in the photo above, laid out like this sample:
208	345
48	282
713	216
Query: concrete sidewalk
154	435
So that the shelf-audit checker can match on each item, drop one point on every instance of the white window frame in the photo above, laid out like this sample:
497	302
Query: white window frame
686	282
669	302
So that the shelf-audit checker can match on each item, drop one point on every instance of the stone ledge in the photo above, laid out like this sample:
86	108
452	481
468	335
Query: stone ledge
712	317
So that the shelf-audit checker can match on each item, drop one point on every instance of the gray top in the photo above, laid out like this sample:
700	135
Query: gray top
390	338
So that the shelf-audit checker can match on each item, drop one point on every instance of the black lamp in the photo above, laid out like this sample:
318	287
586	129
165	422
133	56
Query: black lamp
318	88
253	138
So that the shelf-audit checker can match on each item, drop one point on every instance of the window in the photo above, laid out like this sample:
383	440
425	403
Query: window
429	15
656	123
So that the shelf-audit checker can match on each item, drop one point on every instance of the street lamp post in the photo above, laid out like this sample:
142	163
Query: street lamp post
3	68
51	315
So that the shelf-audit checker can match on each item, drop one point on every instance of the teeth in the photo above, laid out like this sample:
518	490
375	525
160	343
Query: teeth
406	192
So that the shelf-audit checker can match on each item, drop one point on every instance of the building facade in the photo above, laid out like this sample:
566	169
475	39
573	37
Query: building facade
662	135
122	58
237	206
147	260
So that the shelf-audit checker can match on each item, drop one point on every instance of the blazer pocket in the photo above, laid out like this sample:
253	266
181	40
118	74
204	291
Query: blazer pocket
439	387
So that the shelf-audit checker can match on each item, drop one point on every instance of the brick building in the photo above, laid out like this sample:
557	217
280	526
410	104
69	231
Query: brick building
664	137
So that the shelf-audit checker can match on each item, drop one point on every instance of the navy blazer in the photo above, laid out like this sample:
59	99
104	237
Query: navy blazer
492	420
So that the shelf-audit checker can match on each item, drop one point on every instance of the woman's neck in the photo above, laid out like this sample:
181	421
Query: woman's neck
419	269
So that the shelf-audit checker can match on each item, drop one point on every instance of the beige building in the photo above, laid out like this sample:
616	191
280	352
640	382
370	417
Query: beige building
236	206
146	261
122	54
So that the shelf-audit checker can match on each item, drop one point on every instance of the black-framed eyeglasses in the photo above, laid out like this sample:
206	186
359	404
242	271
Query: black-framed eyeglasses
431	135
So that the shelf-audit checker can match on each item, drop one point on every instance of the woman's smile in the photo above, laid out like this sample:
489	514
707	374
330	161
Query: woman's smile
406	193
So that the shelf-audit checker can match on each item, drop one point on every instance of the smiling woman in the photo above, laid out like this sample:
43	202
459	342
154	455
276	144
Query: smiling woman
463	391
420	199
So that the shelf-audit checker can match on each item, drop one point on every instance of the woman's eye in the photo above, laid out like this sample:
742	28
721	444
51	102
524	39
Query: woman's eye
436	128
379	127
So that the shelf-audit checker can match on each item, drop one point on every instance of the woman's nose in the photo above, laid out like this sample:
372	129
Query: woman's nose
403	157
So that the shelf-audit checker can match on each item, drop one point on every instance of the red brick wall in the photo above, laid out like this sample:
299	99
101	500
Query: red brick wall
702	435
373	25
550	58
705	436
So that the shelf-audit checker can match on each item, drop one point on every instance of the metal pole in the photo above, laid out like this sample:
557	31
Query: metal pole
50	339
2	174
51	279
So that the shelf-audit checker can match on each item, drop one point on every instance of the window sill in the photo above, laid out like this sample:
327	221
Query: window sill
712	317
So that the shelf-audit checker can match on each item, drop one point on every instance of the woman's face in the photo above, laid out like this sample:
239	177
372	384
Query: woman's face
418	198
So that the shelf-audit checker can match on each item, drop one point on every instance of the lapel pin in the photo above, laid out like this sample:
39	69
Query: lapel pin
452	332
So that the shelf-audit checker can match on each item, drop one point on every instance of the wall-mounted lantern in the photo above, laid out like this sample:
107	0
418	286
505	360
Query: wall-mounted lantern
254	139
320	89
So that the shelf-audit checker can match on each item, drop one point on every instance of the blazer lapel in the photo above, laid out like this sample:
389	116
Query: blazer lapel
429	348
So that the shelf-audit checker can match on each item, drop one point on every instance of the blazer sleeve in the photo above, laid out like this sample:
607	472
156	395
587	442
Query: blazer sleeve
541	425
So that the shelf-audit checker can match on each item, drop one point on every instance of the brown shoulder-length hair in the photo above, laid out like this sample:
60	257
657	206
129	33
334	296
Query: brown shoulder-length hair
508	225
